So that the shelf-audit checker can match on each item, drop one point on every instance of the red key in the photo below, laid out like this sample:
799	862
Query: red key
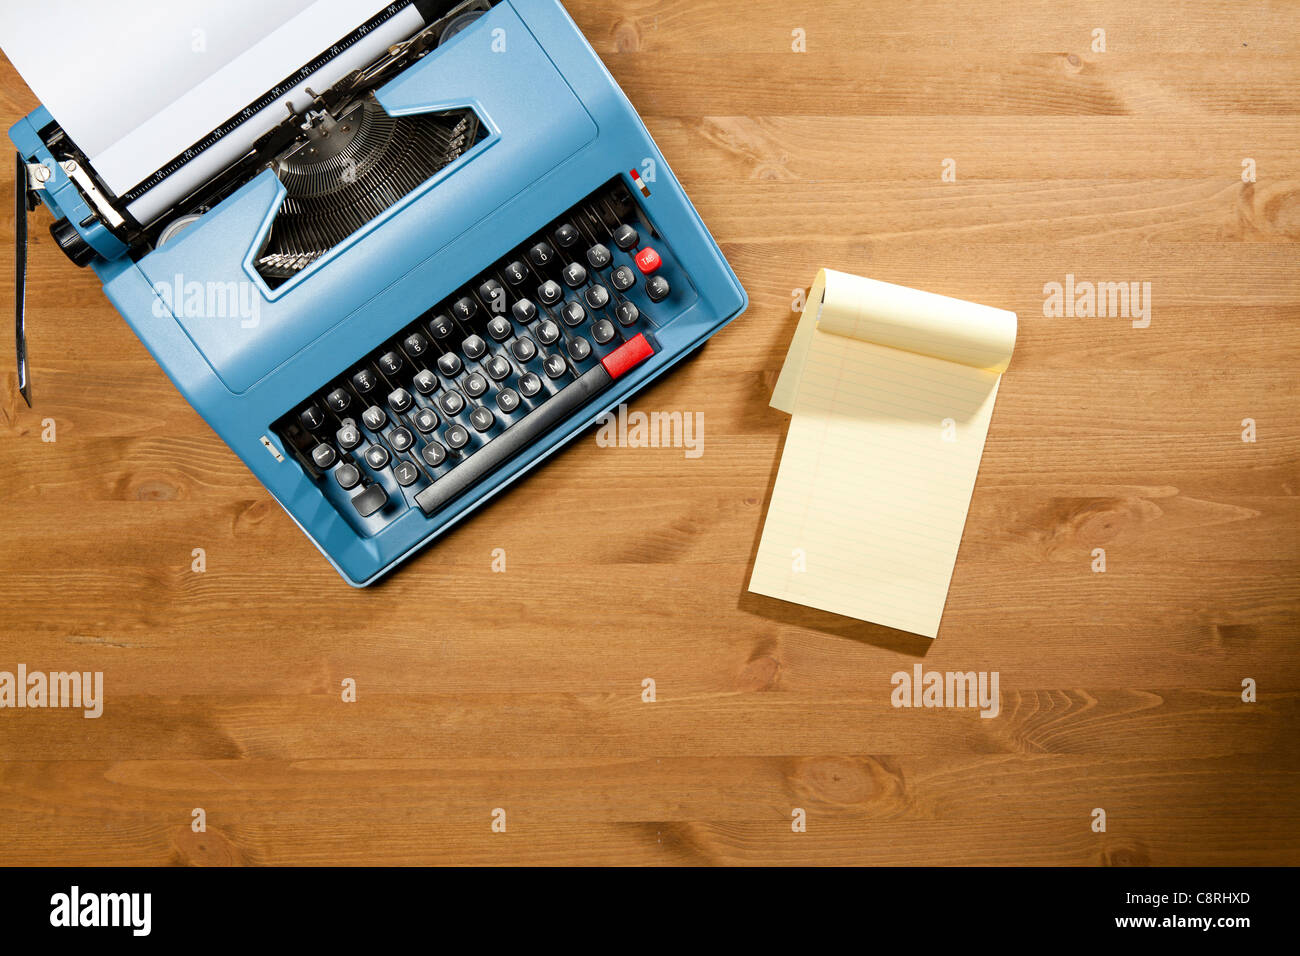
647	260
627	356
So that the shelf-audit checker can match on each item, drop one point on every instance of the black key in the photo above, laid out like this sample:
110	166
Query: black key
441	327
530	384
622	278
347	476
657	288
474	347
524	311
370	500
574	275
579	348
464	308
494	295
349	436
324	455
312	417
555	365
474	385
405	473
426	381
449	364
481	417
573	313
451	402
598	256
374	418
602	331
365	381
415	345
625	237
339	399
390	363
401	439
550	292
541	254
548	333
457	437
434	454
497	367
627	313
566	235
425	420
524	349
512	441
499	328
597	297
377	456
399	400
507	400
516	273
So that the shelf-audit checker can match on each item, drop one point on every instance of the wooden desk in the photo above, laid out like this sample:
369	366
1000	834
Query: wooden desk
522	690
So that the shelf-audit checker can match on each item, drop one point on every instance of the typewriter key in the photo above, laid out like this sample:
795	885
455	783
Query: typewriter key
524	311
457	437
401	439
524	349
548	333
347	476
324	455
425	381
626	237
622	278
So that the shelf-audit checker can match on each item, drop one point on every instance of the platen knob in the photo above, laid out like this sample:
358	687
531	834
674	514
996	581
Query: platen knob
73	244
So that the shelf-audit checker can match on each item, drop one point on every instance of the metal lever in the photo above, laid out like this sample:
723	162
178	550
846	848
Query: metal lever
22	192
28	178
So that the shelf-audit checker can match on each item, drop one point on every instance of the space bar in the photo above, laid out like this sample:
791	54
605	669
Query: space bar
513	440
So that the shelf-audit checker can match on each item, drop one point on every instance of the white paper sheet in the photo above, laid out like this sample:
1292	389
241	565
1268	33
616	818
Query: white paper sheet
137	82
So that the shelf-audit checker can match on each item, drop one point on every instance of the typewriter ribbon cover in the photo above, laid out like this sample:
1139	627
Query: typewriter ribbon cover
890	392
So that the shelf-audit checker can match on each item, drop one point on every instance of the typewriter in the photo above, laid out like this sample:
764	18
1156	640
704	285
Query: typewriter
440	246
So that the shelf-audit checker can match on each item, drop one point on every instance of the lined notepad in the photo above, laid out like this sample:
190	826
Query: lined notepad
890	391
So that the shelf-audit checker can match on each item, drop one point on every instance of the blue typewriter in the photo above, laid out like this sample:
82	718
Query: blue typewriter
438	247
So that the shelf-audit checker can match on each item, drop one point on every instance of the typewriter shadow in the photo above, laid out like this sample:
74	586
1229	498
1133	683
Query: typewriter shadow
796	615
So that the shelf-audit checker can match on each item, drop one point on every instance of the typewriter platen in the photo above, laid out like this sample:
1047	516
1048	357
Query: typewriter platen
414	288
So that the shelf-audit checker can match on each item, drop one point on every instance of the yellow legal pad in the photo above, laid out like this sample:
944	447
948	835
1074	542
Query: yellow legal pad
890	391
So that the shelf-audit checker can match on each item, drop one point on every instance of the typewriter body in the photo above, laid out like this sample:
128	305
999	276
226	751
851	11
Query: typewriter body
412	290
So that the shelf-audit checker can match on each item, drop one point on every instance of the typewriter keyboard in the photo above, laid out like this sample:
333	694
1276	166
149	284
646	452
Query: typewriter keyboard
488	371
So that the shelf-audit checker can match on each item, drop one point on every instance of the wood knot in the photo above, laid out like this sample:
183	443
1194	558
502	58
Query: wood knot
1090	522
627	36
204	849
252	514
155	489
848	781
1126	855
761	673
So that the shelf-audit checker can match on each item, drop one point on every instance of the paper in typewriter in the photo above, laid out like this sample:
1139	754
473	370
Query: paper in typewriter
135	83
890	391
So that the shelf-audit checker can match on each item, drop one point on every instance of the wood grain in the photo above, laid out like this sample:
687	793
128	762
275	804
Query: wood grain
522	690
